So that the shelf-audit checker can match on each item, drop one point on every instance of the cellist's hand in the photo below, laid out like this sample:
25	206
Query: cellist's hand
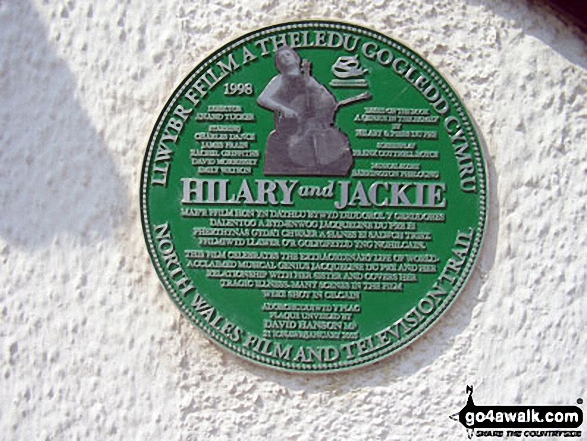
286	112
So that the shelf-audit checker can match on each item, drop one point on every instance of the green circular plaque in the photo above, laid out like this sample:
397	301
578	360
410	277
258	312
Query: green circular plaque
313	196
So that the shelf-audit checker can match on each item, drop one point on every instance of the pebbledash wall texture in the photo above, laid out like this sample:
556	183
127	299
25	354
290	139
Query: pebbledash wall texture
91	348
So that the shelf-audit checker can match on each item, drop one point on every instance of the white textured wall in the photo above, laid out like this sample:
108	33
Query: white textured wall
90	345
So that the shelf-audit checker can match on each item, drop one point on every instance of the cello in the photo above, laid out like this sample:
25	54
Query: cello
313	144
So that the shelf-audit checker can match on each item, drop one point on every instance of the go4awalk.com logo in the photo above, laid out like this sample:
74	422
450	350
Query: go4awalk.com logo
519	421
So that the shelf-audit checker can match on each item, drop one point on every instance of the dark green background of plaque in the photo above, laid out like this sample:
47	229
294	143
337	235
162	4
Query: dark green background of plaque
379	309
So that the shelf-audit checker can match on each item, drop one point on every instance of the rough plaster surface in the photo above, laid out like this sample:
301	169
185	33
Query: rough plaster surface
90	345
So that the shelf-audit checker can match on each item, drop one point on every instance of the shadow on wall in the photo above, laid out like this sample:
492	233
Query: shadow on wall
56	173
538	19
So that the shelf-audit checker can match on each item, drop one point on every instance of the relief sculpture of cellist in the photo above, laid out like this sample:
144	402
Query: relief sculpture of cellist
305	141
